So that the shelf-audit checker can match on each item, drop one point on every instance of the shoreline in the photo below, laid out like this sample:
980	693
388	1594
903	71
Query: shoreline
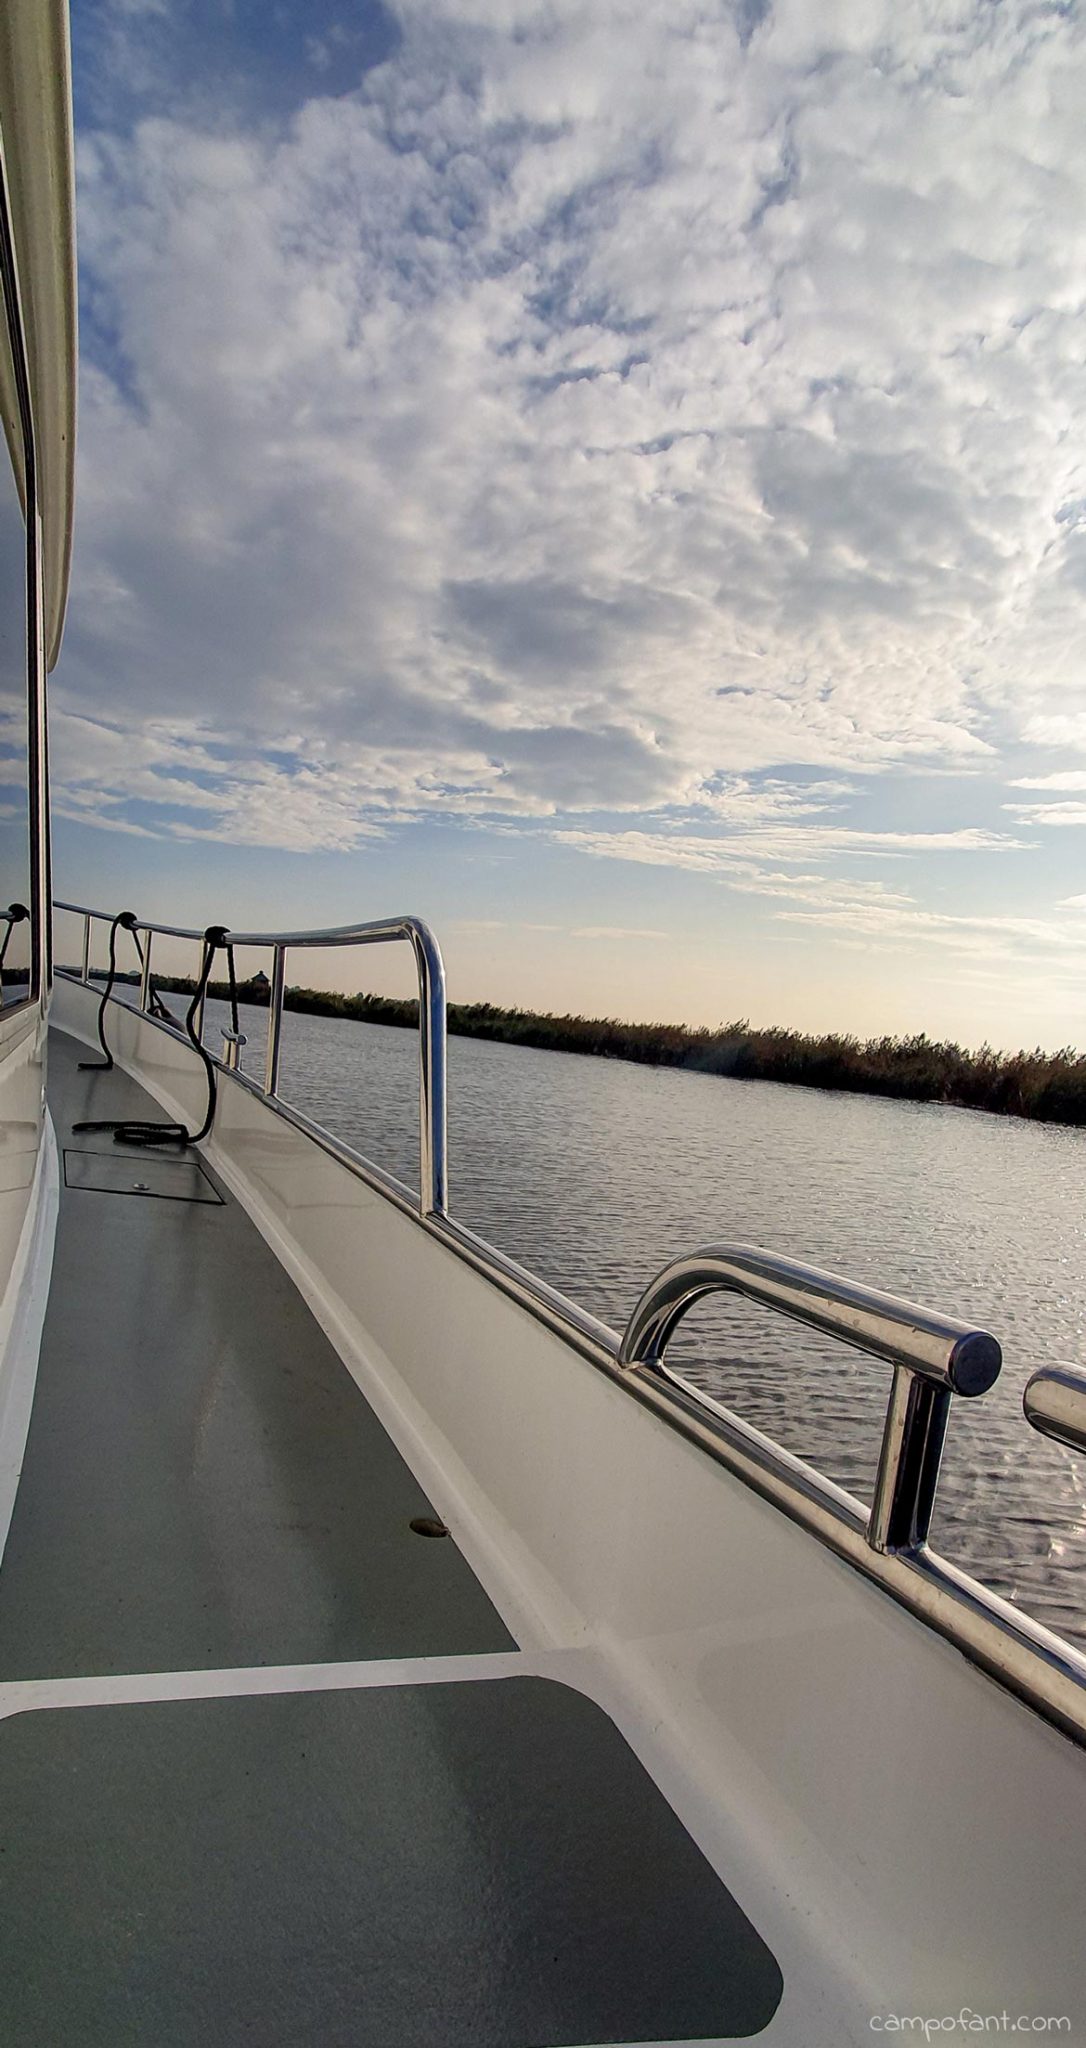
1039	1086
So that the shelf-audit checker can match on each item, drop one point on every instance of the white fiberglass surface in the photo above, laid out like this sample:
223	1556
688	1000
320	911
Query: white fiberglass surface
871	1795
594	1172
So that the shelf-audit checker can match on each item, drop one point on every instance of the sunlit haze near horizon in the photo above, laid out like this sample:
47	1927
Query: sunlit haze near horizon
609	478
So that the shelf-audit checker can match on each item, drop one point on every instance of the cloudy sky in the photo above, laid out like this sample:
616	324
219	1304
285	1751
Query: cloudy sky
609	477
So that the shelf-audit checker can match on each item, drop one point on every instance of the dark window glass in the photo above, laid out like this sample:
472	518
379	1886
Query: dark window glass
14	813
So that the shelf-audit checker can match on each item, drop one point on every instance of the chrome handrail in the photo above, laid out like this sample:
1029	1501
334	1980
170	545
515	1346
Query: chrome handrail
934	1357
430	969
1054	1402
1029	1660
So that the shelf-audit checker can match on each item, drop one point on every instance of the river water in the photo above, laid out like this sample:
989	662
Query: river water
595	1172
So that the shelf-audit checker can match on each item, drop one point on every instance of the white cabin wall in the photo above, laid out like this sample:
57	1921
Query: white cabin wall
29	1199
897	1804
22	1090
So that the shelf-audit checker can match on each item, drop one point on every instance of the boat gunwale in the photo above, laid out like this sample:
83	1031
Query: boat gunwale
1033	1663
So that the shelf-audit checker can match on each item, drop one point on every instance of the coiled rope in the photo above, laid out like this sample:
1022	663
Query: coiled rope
138	1132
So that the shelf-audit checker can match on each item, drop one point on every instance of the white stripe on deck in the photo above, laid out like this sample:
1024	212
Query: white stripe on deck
27	1695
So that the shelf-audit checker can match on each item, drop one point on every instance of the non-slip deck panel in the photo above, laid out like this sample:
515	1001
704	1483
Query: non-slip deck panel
125	1171
476	1865
204	1484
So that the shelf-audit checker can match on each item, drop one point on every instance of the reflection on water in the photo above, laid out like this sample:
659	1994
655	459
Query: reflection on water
594	1172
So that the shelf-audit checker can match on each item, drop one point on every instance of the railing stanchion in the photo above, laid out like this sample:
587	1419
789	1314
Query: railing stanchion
433	1166
908	1472
934	1357
145	974
85	973
275	1019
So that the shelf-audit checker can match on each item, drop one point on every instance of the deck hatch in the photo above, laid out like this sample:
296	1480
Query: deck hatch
133	1172
464	1865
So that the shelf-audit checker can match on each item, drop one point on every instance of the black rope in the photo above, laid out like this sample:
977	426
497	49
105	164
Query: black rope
140	1133
127	918
214	937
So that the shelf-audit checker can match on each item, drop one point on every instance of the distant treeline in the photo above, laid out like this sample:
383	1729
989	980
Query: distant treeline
1050	1086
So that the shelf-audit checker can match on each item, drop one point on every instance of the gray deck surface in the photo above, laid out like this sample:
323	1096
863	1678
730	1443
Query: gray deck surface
454	1865
479	1865
204	1484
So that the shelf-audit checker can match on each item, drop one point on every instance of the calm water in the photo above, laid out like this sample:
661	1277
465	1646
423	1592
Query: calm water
594	1173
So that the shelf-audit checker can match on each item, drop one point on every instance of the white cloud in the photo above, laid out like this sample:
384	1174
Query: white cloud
479	926
769	842
859	911
1010	937
585	417
1049	814
1073	778
617	931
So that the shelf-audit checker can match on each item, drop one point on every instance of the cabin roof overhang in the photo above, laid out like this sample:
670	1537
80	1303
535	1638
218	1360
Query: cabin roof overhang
36	131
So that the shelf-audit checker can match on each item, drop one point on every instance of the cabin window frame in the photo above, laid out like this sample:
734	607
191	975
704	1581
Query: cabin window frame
39	850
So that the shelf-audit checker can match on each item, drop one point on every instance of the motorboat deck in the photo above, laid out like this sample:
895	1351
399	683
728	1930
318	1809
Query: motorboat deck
204	1483
268	1767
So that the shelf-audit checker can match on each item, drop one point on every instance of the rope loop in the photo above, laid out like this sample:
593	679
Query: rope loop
128	919
138	1132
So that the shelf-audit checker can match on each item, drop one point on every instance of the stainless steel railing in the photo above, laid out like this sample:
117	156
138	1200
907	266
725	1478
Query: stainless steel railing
430	968
934	1357
1055	1403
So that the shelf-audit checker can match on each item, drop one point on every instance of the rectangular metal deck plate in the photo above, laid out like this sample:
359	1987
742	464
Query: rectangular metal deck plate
467	1865
136	1172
